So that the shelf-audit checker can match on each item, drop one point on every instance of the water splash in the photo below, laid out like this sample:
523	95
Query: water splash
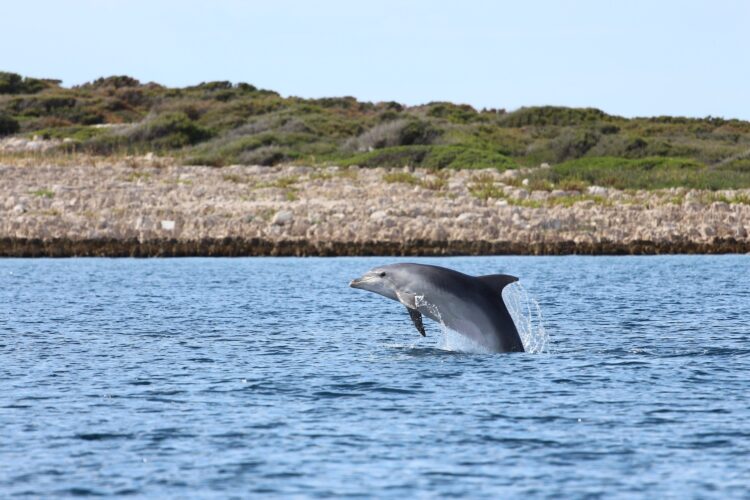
527	315
450	340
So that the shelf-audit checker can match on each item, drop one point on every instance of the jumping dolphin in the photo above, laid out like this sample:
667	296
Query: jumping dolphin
472	306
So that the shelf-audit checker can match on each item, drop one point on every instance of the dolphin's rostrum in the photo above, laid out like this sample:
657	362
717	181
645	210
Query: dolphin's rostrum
470	305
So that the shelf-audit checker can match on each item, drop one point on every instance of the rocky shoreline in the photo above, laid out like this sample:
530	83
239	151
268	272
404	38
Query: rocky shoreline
148	208
233	247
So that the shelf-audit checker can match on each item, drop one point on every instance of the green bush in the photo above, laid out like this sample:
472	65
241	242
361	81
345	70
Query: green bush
437	157
171	130
399	156
459	156
8	125
395	133
645	173
573	143
114	82
221	123
738	165
78	133
456	113
12	83
553	115
266	155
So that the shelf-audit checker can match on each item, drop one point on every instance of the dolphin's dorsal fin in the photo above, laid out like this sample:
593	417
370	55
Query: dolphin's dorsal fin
497	281
416	318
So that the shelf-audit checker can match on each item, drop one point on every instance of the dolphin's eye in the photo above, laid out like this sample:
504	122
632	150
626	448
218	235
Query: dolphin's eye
382	274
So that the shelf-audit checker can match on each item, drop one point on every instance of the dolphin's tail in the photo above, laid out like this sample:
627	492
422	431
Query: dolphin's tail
497	282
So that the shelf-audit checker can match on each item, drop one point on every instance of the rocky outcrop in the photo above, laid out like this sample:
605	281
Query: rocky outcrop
120	209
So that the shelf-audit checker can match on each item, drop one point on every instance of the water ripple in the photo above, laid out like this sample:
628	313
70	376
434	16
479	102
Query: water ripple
271	378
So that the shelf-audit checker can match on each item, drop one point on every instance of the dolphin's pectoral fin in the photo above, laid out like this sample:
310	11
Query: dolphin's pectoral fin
410	301
416	318
407	299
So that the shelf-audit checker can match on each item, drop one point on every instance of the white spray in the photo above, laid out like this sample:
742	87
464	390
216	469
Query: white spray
526	314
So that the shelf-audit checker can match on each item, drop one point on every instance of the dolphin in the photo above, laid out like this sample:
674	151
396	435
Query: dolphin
470	305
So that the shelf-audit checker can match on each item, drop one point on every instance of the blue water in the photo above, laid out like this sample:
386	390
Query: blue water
270	377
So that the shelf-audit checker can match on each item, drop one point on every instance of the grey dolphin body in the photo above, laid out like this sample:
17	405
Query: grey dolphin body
470	305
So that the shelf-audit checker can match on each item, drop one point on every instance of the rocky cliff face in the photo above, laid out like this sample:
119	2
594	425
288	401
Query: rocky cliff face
117	209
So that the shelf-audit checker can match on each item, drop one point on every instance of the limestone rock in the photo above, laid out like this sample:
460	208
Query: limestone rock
378	215
282	217
597	190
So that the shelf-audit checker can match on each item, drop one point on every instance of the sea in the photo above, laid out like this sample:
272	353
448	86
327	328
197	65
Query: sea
271	378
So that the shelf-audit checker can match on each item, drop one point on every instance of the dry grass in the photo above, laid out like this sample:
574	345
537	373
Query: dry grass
59	158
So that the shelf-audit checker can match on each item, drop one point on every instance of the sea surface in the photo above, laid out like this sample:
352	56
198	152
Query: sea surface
266	377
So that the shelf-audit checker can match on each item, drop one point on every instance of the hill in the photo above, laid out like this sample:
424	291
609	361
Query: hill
221	123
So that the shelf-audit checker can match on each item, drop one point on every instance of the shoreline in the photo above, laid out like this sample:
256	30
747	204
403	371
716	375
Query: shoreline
147	208
237	247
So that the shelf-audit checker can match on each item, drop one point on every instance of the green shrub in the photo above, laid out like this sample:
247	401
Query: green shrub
395	133
553	115
737	165
12	83
8	125
437	157
171	130
399	156
573	143
114	82
78	133
646	173
460	156
221	123
456	113
418	132
266	155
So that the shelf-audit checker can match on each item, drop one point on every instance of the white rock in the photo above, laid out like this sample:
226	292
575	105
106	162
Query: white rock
597	191
378	215
19	209
167	225
300	170
282	217
719	206
520	194
466	217
389	222
707	231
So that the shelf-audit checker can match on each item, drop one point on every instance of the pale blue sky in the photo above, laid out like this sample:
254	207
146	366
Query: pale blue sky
632	58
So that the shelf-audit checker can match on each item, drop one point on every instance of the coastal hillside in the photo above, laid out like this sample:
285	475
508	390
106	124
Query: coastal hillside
222	123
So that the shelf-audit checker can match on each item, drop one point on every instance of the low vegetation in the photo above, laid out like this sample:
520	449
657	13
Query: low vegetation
645	173
221	123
